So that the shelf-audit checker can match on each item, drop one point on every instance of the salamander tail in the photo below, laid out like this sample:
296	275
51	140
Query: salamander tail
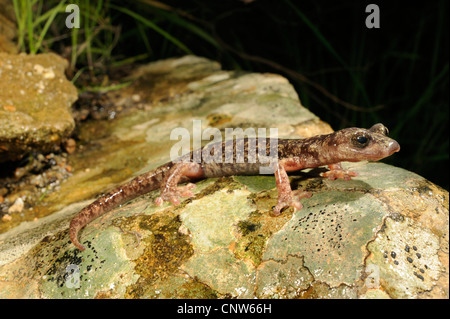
134	188
74	228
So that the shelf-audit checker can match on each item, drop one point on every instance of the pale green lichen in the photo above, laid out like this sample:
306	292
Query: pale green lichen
221	271
283	280
84	274
331	231
406	259
200	218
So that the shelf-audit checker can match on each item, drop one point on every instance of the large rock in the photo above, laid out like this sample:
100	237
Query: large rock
35	101
383	234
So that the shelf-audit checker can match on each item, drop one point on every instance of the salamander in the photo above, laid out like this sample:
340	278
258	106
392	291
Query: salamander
350	144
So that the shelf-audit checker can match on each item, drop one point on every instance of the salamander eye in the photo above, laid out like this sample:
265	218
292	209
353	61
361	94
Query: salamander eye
360	140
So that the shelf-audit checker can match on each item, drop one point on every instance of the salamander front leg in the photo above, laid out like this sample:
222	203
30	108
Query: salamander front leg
169	189
287	197
336	171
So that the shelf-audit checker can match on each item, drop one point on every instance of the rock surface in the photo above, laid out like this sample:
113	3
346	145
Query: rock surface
383	234
35	102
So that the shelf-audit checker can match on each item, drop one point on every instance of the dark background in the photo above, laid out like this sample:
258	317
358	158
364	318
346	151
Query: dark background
345	73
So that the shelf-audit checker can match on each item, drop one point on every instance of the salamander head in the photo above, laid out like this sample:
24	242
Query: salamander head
358	144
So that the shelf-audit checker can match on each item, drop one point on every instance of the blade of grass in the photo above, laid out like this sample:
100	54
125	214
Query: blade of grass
424	98
154	27
29	24
144	38
317	33
130	60
437	43
185	24
104	89
88	37
98	8
74	41
49	21
40	18
329	47
77	75
20	17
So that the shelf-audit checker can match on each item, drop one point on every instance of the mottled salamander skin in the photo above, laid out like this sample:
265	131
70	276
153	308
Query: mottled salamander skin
351	144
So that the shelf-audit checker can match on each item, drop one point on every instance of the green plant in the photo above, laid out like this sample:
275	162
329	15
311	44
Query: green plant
33	24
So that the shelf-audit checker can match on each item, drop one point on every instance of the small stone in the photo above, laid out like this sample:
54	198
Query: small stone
6	218
17	207
9	108
48	74
38	68
70	145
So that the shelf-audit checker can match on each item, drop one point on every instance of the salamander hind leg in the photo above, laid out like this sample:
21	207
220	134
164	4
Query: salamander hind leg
174	195
169	189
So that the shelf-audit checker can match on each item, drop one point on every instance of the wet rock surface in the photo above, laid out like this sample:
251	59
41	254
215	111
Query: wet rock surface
383	234
24	187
